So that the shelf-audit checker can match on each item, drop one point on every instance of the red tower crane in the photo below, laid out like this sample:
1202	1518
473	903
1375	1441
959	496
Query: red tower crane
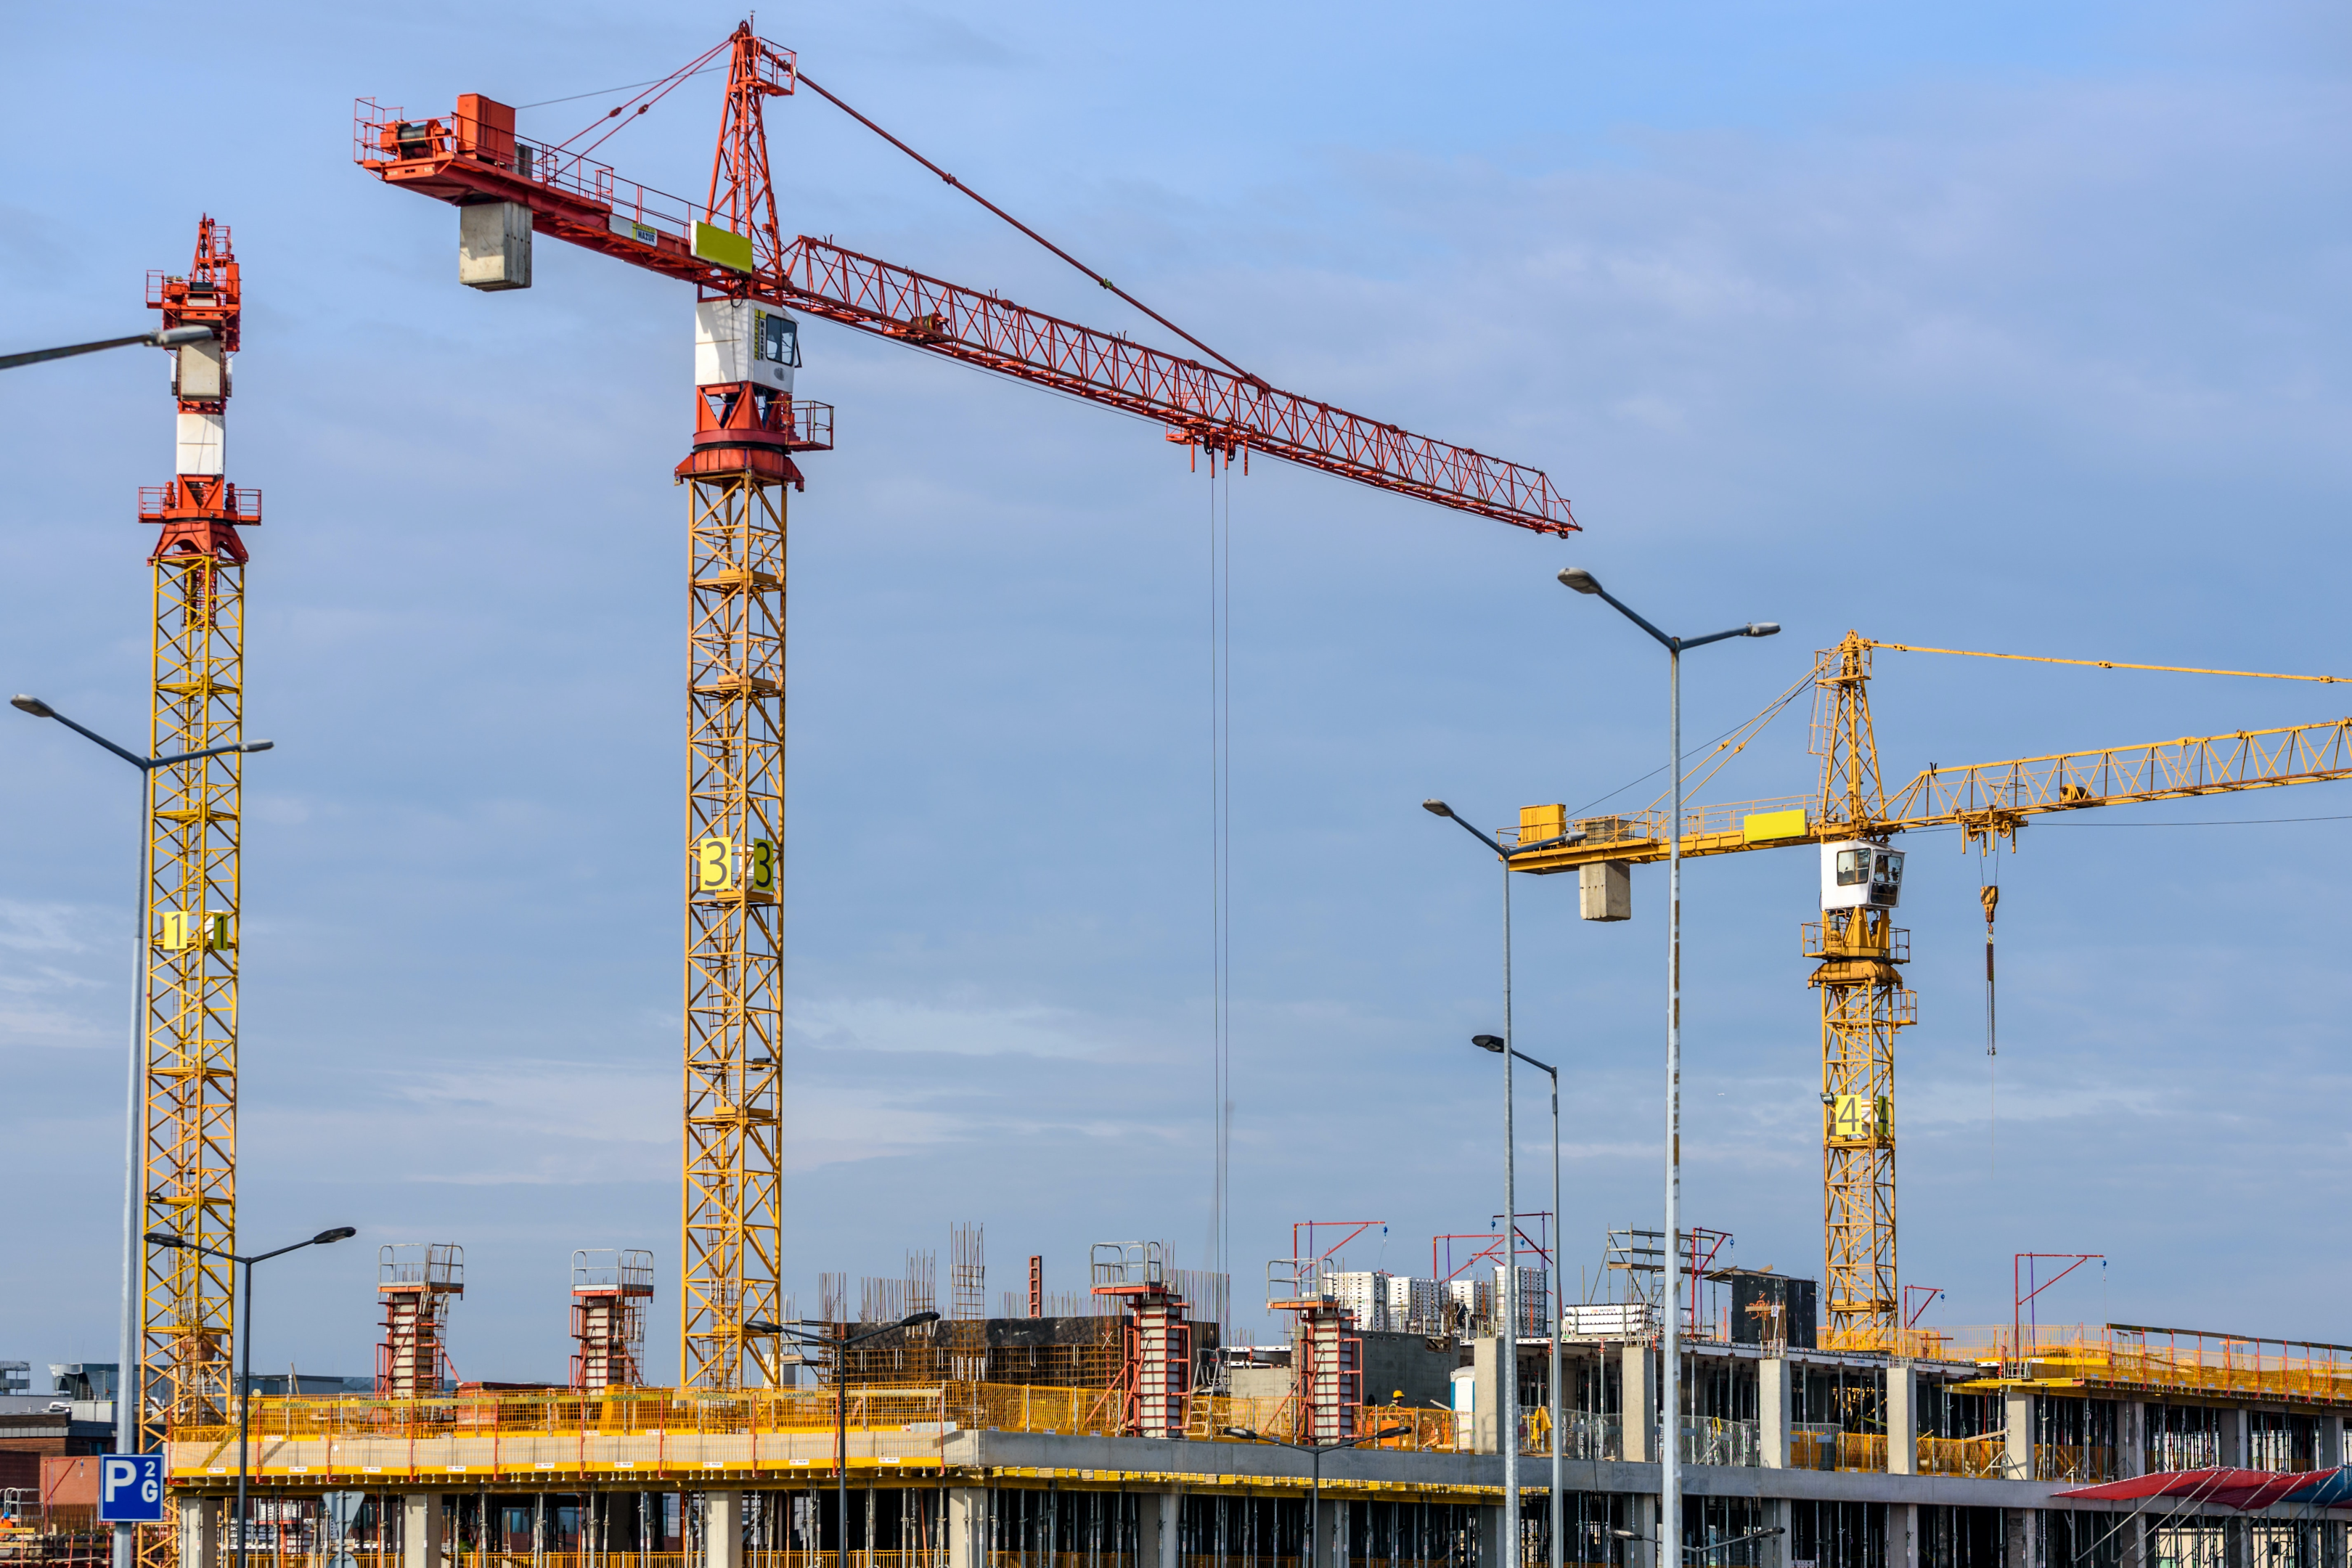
747	430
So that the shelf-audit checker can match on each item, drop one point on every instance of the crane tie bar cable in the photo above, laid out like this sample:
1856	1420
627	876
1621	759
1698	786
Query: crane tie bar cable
804	81
2115	664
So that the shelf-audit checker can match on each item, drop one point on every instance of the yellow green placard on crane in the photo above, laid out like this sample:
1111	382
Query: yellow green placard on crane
721	247
1763	827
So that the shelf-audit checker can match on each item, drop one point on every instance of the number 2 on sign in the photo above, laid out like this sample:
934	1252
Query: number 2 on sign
715	869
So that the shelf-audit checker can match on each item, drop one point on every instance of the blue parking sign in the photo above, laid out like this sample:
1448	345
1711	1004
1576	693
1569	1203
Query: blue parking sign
130	1489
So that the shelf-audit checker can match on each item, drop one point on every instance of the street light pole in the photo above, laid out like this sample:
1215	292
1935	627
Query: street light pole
839	1342
1506	1419
1489	1043
1670	1448
245	1344
127	1393
168	338
1314	1452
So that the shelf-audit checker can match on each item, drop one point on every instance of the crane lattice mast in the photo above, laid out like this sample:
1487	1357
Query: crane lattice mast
194	896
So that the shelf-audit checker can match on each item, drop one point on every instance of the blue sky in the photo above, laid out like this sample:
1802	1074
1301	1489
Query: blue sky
2020	328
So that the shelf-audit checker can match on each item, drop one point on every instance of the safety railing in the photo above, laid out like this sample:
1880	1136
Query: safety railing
1977	1456
2162	1360
928	1411
1712	1441
2078	1462
1820	1446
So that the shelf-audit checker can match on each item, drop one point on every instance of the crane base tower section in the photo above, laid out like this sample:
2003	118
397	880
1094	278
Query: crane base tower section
736	477
1864	1002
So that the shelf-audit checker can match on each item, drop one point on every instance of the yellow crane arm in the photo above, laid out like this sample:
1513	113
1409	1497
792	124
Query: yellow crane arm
1984	797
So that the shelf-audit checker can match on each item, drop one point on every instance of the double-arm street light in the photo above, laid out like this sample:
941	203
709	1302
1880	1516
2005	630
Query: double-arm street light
1314	1452
1495	1043
245	1344
809	1336
168	338
1703	1552
1670	1448
127	1392
1506	1419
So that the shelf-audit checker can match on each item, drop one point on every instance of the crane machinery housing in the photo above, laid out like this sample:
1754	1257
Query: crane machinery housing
748	430
1856	946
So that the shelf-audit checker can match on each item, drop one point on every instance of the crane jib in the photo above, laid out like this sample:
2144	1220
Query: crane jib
586	203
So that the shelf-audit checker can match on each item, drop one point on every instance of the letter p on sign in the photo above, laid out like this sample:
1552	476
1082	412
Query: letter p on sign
130	1489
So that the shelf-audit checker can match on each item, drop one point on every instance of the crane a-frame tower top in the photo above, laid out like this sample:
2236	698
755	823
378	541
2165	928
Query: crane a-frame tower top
748	430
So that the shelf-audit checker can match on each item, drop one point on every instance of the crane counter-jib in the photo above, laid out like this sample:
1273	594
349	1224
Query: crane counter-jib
472	159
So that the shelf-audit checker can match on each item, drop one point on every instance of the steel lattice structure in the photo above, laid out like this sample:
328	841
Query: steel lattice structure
733	1197
194	892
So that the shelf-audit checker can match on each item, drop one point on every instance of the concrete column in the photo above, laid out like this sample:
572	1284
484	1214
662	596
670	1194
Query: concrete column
968	1527
2331	1441
1158	1516
200	1532
1902	1430
2131	1539
1637	1411
1494	1552
2018	1524
722	1530
2234	1438
1776	1516
1331	1545
2017	1411
1486	1395
420	1531
1773	1407
2131	1448
1901	1532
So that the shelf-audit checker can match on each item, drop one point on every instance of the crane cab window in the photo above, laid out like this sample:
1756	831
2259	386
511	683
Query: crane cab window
778	340
1853	866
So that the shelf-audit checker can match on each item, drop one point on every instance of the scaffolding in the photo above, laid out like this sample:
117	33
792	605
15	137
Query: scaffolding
415	1282
609	1292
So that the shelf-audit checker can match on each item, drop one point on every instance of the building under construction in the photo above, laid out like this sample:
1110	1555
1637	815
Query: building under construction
1815	1425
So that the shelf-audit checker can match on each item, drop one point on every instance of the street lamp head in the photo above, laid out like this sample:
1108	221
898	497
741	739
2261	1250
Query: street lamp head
341	1233
916	1319
257	745
761	1326
1434	807
1763	628
1391	1432
1243	1433
163	1239
32	705
172	337
1488	1043
1578	578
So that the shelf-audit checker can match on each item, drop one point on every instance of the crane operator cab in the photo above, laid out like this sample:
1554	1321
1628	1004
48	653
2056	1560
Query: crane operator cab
1861	877
738	340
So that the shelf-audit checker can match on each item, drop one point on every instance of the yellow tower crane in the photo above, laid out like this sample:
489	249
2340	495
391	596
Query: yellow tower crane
1864	1002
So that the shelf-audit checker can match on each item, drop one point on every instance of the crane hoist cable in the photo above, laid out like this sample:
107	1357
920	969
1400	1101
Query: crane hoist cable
834	98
